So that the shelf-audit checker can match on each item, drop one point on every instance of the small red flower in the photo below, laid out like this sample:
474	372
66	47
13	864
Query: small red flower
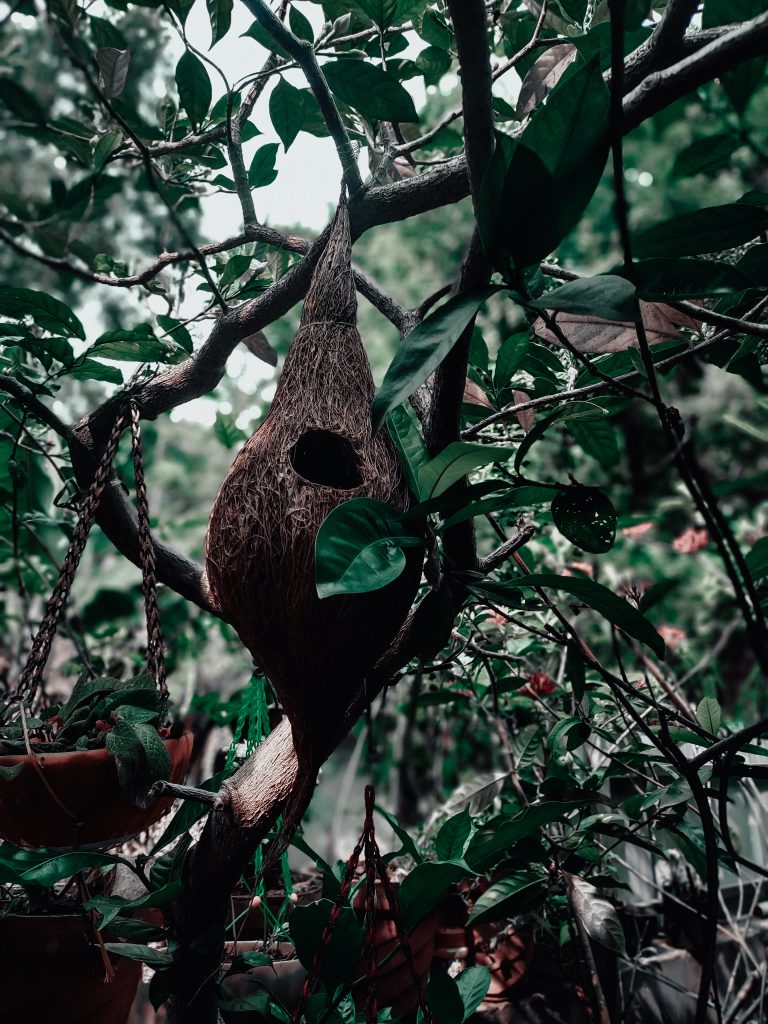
690	541
539	685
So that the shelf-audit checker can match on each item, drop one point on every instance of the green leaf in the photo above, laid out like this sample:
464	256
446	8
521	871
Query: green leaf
615	609
144	954
454	462
424	887
572	411
598	916
606	296
404	429
113	69
178	332
494	840
586	517
704	155
194	87
597	437
300	25
742	81
511	498
92	369
511	357
452	838
688	278
139	344
360	547
262	170
520	893
106	145
757	559
48	313
473	985
220	15
341	955
556	167
286	110
709	715
711	229
263	37
369	90
444	999
48	870
423	350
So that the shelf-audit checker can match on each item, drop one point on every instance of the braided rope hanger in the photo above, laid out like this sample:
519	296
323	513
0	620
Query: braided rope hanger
31	676
374	865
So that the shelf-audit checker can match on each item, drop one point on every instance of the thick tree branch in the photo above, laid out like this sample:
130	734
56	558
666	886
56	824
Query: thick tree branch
660	88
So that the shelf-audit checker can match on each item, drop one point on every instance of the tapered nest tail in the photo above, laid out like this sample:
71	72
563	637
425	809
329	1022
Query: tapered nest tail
332	297
293	812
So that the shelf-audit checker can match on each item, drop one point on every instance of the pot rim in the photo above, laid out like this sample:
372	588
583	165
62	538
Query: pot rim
58	757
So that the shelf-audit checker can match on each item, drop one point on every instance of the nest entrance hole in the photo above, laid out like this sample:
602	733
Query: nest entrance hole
328	459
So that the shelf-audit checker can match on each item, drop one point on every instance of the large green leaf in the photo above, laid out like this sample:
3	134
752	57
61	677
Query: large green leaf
425	886
519	893
262	170
369	90
48	313
586	517
757	559
286	110
404	430
687	278
473	985
360	547
194	87
711	229
454	462
444	999
606	296
615	609
424	349
220	15
341	954
556	167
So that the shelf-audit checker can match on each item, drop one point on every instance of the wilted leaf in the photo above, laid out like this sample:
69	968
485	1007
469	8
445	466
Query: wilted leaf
525	417
113	69
593	335
474	395
598	916
258	345
544	76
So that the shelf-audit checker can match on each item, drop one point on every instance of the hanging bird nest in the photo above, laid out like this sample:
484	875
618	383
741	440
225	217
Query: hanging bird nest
313	451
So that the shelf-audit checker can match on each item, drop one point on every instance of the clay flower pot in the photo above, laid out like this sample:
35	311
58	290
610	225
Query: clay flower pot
395	985
506	952
50	973
82	806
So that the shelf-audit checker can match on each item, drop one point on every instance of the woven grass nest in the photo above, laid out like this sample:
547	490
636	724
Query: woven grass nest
313	451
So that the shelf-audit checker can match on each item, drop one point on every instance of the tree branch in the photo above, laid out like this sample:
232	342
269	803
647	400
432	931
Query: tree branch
660	88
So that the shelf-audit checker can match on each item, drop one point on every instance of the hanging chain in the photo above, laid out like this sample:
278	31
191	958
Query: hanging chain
41	646
155	654
374	863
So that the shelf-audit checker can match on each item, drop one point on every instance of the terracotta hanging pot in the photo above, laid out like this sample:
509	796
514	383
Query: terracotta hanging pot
313	451
74	800
50	973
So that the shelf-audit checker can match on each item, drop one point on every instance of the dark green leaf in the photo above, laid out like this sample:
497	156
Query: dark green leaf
687	278
369	90
113	69
194	87
220	15
454	462
606	296
262	170
144	954
453	835
709	715
521	892
473	985
597	437
404	430
586	517
262	36
511	498
757	559
48	313
424	887
511	357
568	412
704	155
341	955
300	25
423	350
711	229
360	547
556	166
286	110
106	145
444	999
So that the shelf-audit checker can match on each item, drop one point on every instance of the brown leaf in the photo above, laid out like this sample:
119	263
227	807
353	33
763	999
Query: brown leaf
544	76
474	394
257	344
595	336
525	417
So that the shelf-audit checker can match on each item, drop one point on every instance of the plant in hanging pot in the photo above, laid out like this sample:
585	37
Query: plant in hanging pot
79	775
